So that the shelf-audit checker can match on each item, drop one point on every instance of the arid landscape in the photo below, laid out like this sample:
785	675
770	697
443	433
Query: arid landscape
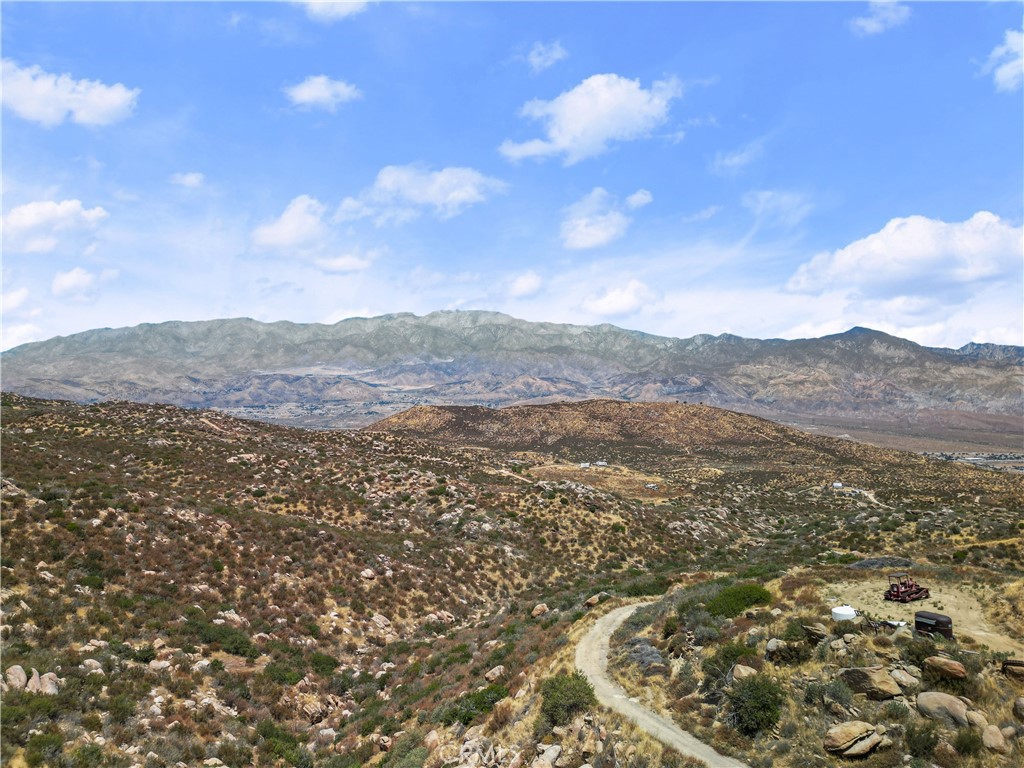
192	587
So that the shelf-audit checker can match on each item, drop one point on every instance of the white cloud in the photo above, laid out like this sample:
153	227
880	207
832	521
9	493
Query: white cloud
300	226
594	221
917	254
11	300
192	179
882	15
544	55
703	215
18	334
33	227
322	92
328	12
776	207
1006	62
623	300
582	122
346	263
731	162
50	99
526	284
76	281
639	199
402	192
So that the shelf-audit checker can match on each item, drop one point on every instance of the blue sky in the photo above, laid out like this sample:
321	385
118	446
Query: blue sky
764	169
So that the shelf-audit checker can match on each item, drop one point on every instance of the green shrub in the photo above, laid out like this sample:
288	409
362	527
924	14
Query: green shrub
472	705
283	673
564	696
732	601
968	742
921	740
87	756
755	704
323	664
717	666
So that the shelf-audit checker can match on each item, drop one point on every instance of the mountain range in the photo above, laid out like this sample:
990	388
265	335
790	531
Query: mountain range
362	369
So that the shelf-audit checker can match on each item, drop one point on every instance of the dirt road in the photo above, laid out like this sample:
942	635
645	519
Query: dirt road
592	660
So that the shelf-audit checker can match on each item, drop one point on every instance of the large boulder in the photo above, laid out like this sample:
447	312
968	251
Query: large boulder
496	673
16	677
993	739
1018	707
841	737
539	610
34	685
49	684
936	705
874	682
904	679
947	668
742	672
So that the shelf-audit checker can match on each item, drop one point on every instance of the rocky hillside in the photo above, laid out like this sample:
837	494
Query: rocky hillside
181	587
359	370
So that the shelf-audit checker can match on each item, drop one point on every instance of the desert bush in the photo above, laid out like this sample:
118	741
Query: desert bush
717	666
968	742
921	740
564	696
733	600
471	706
755	704
895	710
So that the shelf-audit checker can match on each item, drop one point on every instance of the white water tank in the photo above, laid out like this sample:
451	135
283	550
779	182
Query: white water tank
843	613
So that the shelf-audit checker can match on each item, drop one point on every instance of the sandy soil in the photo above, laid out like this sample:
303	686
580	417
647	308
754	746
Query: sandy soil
965	605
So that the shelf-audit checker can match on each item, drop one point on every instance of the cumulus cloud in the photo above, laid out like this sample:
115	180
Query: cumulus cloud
916	254
882	15
597	219
11	300
639	199
526	284
328	12
321	92
78	282
584	121
34	227
622	300
301	226
49	99
16	334
544	55
1006	62
192	179
403	192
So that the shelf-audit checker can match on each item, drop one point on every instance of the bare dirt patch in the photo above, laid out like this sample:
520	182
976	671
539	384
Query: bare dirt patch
964	603
623	481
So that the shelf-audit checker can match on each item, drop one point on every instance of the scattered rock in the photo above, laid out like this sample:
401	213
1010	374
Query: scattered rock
904	679
816	632
539	610
158	665
368	574
741	672
993	740
940	665
848	736
941	706
495	674
595	599
49	684
432	740
875	682
34	685
16	679
775	648
977	719
1018	706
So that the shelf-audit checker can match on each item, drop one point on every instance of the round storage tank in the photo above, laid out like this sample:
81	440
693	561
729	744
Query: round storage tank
843	613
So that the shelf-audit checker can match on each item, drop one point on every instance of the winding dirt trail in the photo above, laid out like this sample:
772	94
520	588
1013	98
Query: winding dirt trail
592	660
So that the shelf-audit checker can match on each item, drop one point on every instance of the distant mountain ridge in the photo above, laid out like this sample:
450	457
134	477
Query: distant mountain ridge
358	370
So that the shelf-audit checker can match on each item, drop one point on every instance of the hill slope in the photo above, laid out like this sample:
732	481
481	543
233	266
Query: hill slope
358	370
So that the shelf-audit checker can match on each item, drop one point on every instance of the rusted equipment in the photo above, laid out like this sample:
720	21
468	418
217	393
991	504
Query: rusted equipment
932	624
903	589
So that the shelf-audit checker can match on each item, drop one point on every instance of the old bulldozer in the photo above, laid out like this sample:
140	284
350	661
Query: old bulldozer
903	589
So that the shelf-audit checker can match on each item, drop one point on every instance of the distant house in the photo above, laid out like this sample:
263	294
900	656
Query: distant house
584	465
837	485
600	463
